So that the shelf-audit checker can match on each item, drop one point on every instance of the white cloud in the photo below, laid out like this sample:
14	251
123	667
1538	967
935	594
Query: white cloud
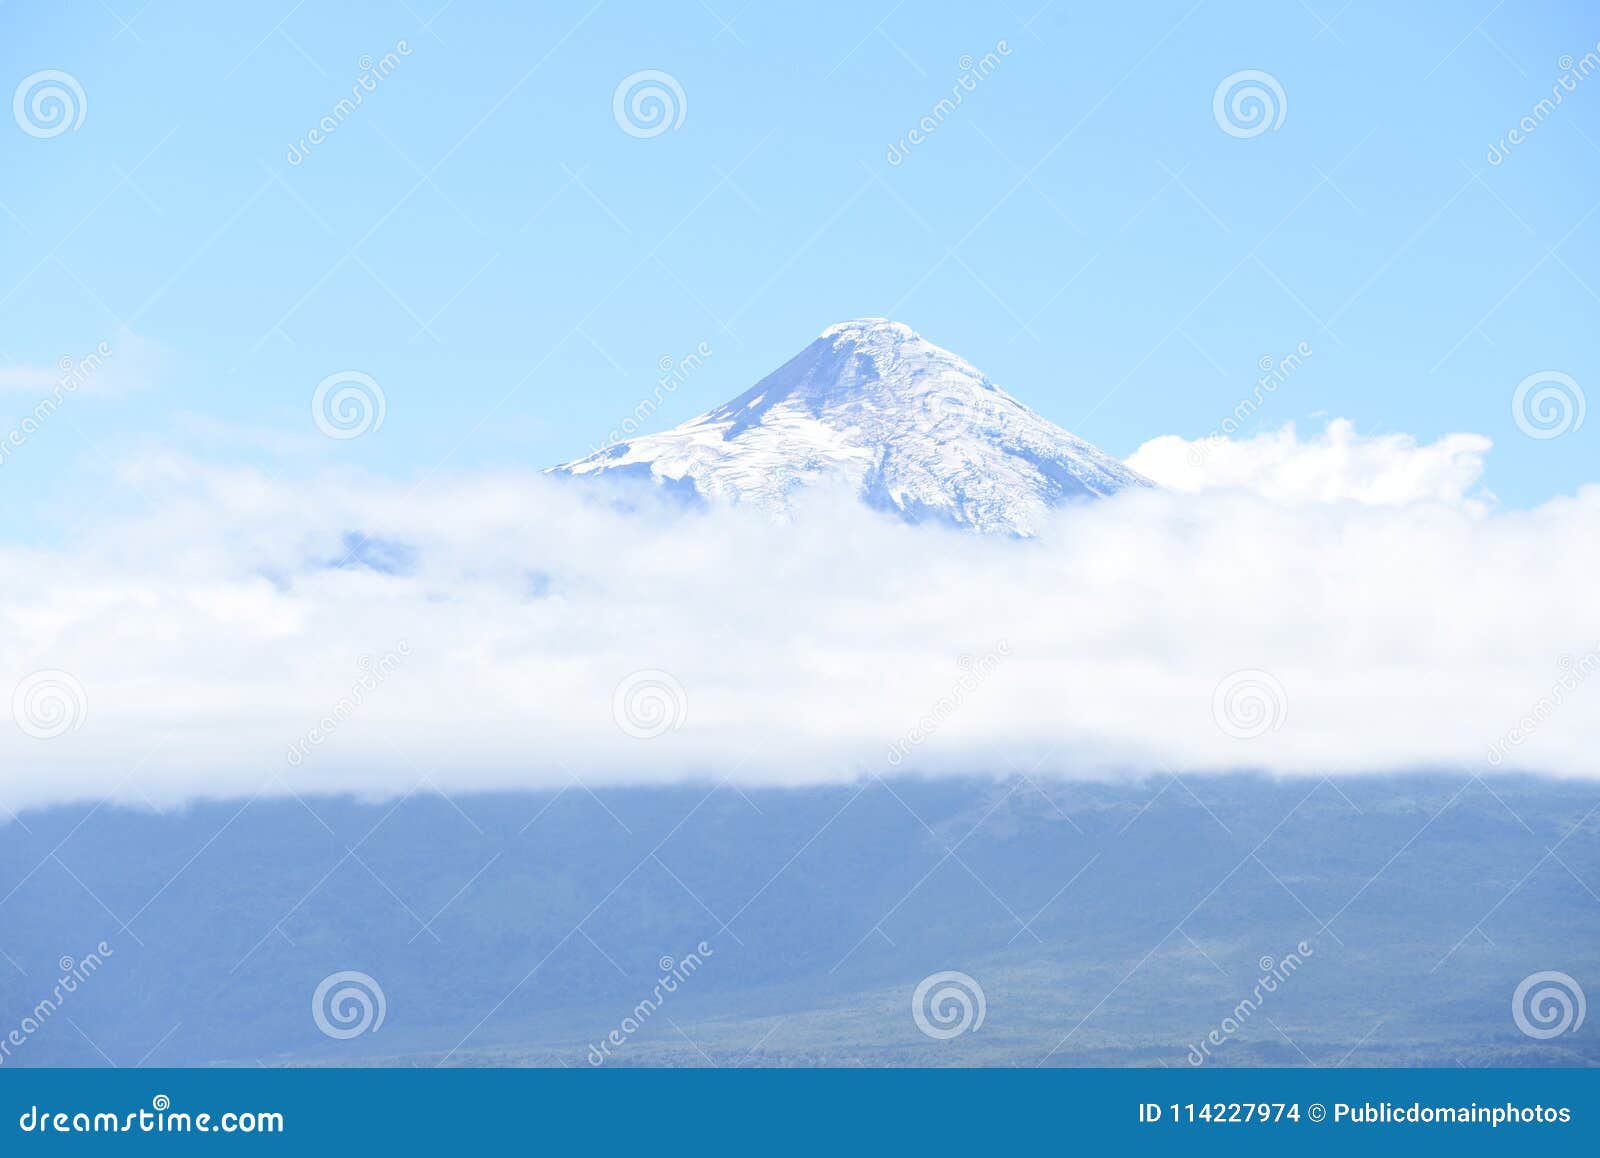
1337	465
27	379
110	365
211	633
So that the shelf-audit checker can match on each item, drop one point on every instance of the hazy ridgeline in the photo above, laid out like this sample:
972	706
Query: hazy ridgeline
523	928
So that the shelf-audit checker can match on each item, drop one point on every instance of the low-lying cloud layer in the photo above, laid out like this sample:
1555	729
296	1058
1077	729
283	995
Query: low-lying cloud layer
341	633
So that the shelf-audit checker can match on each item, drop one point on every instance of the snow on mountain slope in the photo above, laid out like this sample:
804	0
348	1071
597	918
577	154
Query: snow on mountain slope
910	426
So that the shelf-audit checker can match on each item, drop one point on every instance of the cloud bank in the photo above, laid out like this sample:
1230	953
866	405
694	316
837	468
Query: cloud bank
1337	604
1379	470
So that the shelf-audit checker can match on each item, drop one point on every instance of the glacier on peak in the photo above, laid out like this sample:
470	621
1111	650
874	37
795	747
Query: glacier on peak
912	428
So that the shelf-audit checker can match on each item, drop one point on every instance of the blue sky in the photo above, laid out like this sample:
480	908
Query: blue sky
484	240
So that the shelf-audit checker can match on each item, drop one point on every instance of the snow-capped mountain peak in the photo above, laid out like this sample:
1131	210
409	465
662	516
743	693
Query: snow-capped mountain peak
910	426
